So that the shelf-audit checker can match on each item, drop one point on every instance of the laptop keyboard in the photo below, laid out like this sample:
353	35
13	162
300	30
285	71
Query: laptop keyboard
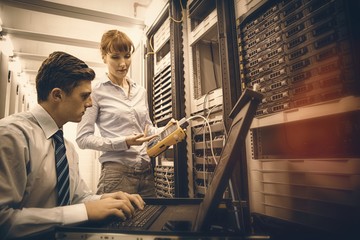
142	219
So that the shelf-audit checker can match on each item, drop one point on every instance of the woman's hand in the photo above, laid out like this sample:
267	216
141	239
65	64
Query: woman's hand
138	139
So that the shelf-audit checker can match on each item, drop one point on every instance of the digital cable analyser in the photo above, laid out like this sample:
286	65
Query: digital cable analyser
171	135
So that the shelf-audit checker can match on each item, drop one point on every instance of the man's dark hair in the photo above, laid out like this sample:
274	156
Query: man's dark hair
61	70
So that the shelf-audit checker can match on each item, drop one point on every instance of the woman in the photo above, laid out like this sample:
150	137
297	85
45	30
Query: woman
120	111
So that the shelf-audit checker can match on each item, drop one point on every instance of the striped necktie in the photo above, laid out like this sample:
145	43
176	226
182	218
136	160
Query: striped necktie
62	170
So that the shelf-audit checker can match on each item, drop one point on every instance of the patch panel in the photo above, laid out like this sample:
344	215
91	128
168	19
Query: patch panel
162	194
164	189
201	190
204	175
203	159
216	143
164	181
206	160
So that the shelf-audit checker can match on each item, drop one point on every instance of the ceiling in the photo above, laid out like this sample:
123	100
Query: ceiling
35	28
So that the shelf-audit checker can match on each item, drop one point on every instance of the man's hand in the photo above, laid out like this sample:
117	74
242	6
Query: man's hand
135	199
103	208
119	204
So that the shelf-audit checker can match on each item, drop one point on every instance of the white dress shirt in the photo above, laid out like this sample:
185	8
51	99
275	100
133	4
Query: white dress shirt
28	177
117	115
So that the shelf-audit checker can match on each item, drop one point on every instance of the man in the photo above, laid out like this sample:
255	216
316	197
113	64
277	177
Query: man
30	187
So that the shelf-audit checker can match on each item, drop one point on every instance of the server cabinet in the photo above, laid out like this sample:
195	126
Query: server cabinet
166	96
302	149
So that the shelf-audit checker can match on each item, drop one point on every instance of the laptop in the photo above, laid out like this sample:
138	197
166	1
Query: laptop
186	215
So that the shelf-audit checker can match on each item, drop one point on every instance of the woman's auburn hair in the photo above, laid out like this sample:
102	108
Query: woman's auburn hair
115	41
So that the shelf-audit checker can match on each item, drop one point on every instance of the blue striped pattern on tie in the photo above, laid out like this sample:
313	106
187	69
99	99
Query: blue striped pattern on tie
62	170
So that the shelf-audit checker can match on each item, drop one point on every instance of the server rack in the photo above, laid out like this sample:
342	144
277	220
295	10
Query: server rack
165	78
303	159
214	23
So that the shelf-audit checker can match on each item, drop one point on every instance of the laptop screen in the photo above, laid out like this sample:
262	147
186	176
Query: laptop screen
242	115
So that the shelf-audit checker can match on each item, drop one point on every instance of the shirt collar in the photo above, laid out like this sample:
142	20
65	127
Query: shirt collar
131	82
45	121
